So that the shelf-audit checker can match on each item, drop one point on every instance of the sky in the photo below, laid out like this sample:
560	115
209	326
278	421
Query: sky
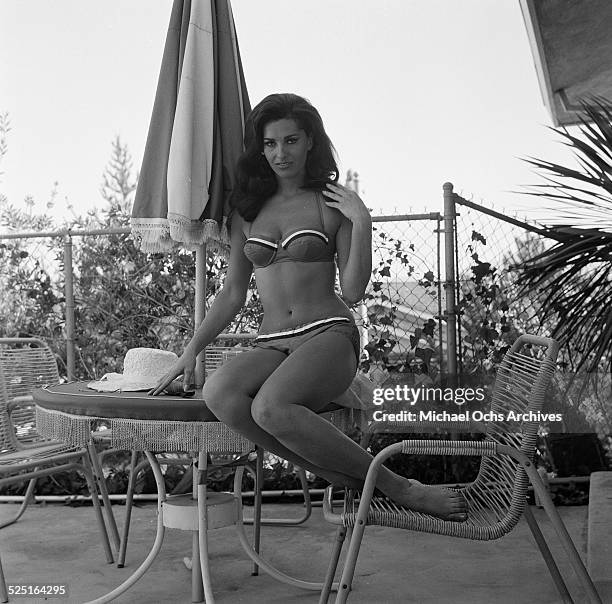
413	93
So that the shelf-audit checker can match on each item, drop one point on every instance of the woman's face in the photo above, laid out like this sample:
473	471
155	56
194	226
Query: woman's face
286	146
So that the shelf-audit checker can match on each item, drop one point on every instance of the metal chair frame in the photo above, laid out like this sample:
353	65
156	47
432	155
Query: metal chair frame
27	364
496	498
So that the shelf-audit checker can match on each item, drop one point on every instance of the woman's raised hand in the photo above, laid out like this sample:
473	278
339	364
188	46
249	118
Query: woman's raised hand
347	202
185	366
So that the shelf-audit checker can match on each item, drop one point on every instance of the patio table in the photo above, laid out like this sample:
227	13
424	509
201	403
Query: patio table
69	412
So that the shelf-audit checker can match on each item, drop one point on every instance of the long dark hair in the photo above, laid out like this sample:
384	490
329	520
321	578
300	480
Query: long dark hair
255	180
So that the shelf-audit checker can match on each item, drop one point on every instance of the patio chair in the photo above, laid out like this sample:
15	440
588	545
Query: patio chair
496	498
27	364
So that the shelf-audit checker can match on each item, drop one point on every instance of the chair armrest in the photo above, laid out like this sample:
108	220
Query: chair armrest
427	447
420	427
20	401
426	427
456	447
448	447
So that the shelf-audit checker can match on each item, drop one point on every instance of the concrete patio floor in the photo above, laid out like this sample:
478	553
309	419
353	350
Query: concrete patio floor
55	543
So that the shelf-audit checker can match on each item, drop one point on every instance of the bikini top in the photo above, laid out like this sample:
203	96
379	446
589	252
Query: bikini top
296	245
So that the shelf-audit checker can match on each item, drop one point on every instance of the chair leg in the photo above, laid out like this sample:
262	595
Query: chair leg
259	479
29	496
283	521
99	475
547	555
358	529
135	469
292	521
3	591
564	536
333	564
129	499
248	548
91	483
159	538
307	502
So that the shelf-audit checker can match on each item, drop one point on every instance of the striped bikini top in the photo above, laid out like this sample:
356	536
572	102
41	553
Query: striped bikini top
297	245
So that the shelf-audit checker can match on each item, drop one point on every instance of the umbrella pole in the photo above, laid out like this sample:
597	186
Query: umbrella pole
197	586
200	307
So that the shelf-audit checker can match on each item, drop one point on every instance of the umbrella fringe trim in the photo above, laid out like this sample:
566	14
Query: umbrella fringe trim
155	235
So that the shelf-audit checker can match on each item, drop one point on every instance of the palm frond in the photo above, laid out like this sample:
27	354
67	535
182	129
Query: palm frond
577	286
574	276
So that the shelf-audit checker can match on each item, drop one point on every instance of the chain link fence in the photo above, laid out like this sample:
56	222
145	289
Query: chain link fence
122	298
402	310
93	295
30	279
492	310
117	298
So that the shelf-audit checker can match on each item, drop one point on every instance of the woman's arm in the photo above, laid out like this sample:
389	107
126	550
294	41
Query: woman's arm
353	241
232	296
224	308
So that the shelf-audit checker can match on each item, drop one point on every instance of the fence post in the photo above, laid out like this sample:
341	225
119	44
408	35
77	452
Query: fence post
69	296
449	283
200	308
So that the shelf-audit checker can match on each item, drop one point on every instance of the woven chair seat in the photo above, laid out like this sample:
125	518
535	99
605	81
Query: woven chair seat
484	522
494	508
41	452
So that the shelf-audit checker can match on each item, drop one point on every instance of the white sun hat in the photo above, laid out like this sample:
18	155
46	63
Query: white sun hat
142	369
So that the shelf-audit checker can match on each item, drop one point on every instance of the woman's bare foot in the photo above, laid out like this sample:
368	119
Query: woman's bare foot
435	501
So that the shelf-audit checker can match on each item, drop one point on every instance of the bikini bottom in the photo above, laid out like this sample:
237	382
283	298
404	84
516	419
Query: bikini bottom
290	340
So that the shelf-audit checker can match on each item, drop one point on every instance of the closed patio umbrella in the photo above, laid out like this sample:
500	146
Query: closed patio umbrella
195	134
194	140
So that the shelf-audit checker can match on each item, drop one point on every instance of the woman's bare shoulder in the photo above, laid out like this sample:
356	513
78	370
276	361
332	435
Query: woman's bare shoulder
237	225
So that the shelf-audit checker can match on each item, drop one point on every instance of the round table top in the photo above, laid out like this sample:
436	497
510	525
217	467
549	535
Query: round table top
77	399
68	412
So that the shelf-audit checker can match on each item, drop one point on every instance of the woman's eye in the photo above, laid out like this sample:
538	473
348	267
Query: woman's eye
292	140
269	144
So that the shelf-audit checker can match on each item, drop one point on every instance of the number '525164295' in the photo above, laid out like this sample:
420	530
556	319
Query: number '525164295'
46	590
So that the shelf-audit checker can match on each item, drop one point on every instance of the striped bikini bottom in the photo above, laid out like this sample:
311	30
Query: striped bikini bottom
290	340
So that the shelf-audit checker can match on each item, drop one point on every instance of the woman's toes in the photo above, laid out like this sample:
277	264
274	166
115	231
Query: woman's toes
435	501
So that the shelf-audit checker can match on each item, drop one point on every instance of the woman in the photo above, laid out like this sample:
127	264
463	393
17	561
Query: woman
292	225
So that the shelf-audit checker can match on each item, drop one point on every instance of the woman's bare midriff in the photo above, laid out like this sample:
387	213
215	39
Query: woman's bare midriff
294	293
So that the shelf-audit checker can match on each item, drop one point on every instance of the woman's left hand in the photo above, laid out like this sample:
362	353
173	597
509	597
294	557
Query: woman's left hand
347	202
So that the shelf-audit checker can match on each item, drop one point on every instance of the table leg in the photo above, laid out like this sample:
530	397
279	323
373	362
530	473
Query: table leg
203	528
159	537
197	587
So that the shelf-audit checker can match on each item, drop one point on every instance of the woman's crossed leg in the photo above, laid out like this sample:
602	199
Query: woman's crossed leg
229	394
273	399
